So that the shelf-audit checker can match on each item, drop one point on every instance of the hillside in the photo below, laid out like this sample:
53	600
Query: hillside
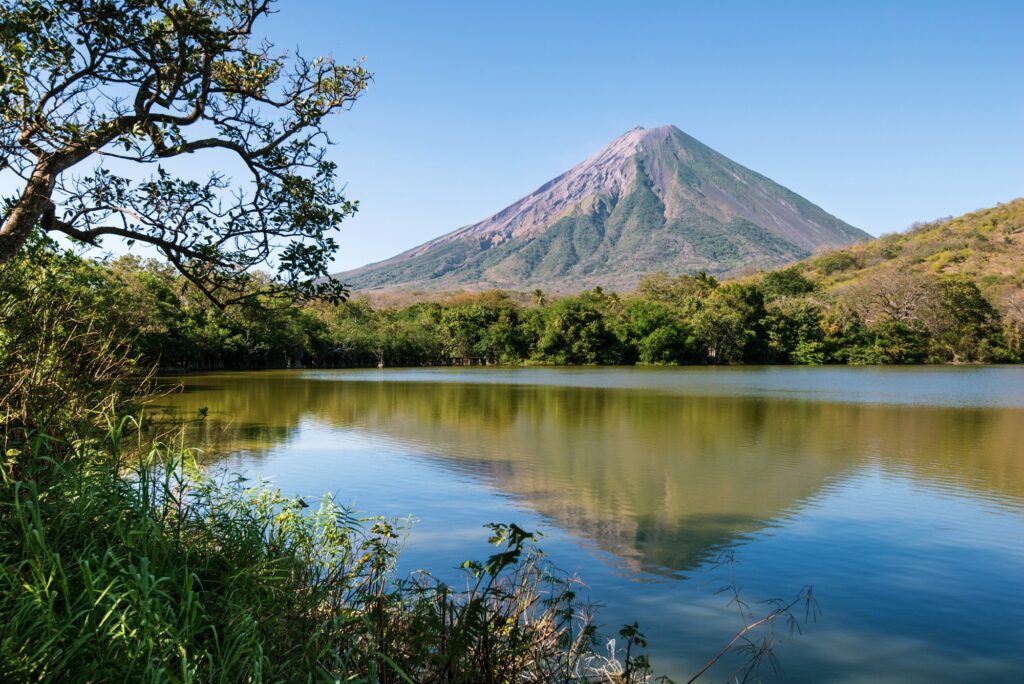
986	245
652	200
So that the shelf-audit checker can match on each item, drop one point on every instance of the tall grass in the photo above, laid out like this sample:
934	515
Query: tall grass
130	564
66	353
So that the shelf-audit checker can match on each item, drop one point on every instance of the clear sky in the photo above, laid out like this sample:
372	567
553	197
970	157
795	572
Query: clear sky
883	113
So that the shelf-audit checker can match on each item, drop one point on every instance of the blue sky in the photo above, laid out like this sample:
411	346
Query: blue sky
883	113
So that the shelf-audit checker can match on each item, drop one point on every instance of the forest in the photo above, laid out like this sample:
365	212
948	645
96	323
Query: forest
777	317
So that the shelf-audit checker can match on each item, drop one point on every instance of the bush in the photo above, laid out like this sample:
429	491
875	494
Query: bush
809	353
838	261
787	282
892	343
134	563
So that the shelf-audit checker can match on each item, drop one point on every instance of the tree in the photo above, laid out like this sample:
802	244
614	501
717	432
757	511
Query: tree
787	282
728	324
651	333
575	332
663	288
895	342
964	324
1013	321
720	328
90	86
463	328
836	262
1013	303
907	298
793	331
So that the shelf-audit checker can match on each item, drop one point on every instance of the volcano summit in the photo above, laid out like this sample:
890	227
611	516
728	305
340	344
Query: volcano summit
652	200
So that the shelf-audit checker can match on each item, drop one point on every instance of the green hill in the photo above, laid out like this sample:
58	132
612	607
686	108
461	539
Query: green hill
987	246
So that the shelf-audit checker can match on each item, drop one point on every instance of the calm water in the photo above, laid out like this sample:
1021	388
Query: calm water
897	493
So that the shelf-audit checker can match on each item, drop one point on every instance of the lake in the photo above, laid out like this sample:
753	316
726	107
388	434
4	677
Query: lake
898	493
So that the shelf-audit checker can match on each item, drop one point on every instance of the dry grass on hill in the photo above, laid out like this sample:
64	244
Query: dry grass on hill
986	245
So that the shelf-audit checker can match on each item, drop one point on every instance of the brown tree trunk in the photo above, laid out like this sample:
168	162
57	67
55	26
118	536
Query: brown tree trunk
30	209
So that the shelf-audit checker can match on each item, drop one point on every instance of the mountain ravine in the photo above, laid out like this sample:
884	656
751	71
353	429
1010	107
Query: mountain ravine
652	200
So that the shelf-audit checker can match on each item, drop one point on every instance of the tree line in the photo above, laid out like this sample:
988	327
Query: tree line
779	317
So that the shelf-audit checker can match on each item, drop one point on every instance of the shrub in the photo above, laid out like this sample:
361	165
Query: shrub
785	282
135	563
836	262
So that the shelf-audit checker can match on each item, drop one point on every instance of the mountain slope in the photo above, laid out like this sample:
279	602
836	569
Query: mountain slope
986	245
652	200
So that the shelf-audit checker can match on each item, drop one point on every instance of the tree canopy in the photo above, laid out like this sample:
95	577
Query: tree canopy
99	100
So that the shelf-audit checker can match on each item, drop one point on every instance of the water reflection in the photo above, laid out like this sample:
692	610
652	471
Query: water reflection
661	480
898	493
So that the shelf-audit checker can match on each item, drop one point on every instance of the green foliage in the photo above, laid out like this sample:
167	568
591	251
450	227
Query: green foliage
147	81
809	353
794	331
786	282
575	332
681	291
889	342
65	350
485	329
967	326
650	332
128	564
836	262
783	317
724	325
